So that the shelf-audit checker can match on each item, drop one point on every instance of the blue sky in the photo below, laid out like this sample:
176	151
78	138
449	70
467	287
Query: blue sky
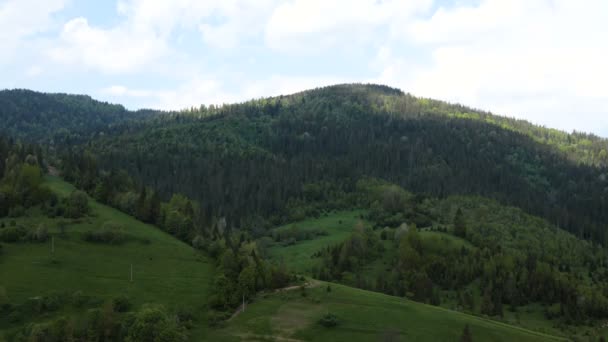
541	60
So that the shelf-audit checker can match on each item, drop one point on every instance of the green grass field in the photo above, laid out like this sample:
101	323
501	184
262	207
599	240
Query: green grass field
165	270
363	316
298	257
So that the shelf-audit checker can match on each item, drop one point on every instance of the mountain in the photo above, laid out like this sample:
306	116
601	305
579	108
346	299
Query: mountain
361	185
60	118
247	161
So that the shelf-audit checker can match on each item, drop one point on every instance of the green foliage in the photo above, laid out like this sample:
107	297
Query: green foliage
112	237
349	132
460	226
152	323
77	204
329	320
99	270
60	118
363	316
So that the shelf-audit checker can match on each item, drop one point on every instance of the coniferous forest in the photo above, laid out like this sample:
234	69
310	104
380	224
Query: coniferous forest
447	205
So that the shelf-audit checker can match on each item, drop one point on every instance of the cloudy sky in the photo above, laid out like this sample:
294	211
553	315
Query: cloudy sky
542	60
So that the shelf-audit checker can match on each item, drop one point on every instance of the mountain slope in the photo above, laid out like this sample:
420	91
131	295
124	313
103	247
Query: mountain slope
250	159
165	270
62	118
362	316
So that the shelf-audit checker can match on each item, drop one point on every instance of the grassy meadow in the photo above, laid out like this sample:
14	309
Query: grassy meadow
165	270
362	316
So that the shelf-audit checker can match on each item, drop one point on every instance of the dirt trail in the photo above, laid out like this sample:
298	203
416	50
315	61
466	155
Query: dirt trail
53	171
309	284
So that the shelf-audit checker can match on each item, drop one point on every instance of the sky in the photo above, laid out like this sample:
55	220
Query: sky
541	60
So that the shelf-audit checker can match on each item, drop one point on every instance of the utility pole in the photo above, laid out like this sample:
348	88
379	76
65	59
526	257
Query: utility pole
243	303
52	245
131	272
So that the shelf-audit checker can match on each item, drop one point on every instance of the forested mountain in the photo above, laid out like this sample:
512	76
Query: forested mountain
446	205
59	118
249	161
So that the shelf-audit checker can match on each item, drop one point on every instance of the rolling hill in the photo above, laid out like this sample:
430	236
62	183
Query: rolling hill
501	221
362	316
165	270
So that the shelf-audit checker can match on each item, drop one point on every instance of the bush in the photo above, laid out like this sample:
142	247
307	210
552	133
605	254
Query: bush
199	243
329	320
79	300
17	211
216	318
78	204
121	303
13	234
111	237
185	317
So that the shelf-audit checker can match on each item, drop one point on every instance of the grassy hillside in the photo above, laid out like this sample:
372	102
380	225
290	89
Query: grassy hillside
165	270
297	257
498	238
362	316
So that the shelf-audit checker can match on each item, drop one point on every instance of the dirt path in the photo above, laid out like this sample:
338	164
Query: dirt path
53	171
309	284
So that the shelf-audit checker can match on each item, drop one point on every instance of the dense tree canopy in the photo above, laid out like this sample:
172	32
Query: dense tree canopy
247	160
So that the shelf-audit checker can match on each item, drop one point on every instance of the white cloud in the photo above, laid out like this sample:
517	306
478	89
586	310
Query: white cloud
120	49
22	19
542	60
194	92
317	25
200	90
539	60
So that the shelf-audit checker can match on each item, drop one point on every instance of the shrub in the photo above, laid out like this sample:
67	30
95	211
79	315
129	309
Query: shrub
199	243
329	320
78	204
79	299
121	303
216	318
13	234
17	211
185	317
105	236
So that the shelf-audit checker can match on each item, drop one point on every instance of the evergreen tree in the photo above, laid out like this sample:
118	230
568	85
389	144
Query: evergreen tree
460	228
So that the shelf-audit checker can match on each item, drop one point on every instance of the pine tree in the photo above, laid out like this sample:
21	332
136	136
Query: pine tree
140	206
460	228
155	208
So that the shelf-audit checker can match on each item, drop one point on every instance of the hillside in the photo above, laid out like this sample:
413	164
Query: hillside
361	185
465	253
249	160
165	270
59	118
168	272
362	316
